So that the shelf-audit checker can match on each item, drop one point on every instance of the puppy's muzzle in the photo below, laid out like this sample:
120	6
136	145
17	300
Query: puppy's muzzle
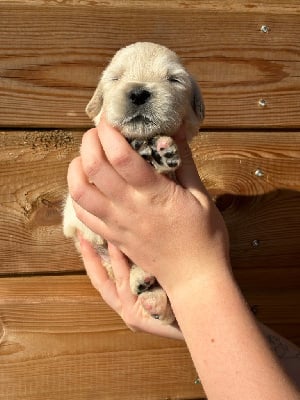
139	96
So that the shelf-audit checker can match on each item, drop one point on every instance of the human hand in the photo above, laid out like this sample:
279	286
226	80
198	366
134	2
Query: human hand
118	295
175	232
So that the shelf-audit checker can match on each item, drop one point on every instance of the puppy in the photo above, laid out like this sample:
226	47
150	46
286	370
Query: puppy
146	94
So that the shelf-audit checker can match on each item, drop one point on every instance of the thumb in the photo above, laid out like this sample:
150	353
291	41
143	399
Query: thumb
187	173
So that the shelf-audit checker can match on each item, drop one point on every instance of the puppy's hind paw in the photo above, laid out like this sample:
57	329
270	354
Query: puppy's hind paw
156	303
140	281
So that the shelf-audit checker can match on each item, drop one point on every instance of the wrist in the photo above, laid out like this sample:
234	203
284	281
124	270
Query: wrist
199	285
194	273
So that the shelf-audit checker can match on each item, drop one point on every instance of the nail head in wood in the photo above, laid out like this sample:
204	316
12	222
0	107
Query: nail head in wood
259	173
265	29
255	243
262	102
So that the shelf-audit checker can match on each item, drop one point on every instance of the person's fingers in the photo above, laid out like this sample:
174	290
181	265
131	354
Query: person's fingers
127	162
187	173
128	307
94	223
97	168
91	201
99	276
121	270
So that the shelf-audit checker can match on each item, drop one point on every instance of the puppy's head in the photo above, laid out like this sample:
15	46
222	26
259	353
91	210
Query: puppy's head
145	91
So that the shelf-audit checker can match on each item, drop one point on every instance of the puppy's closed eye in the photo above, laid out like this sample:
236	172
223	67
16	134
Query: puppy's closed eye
175	79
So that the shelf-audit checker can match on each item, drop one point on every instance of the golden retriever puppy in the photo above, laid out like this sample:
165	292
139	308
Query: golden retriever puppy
147	94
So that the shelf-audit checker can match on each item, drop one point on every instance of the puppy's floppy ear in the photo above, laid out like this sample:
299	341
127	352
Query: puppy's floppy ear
197	100
95	104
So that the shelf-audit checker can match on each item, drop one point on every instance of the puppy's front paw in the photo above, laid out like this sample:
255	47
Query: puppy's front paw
165	153
142	147
140	281
159	151
156	303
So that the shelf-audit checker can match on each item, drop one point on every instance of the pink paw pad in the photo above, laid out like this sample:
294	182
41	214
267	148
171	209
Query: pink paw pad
164	142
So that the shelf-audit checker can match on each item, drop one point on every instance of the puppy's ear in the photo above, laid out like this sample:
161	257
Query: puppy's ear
95	104
197	100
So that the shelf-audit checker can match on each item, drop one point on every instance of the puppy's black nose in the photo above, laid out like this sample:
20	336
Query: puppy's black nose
139	96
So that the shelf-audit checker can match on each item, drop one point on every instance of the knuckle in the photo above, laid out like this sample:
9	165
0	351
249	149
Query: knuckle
75	180
79	212
163	196
121	159
76	188
91	153
76	191
92	168
77	194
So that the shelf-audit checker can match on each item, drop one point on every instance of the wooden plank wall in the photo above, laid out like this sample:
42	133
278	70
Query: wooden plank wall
58	340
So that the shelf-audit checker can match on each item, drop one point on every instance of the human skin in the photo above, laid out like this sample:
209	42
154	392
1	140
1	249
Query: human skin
119	196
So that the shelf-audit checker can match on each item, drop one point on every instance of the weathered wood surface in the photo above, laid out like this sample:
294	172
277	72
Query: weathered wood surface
57	337
52	53
33	168
256	208
58	340
274	7
56	331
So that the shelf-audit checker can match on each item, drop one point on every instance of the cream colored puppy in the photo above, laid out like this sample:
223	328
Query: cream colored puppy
147	94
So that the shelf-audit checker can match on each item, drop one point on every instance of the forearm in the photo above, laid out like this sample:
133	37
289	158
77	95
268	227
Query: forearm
227	347
286	352
121	198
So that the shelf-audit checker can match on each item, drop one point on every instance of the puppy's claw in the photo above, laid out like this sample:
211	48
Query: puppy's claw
155	316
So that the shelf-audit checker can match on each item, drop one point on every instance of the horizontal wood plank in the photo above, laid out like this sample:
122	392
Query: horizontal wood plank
228	161
58	339
56	331
254	178
274	7
33	170
51	57
262	212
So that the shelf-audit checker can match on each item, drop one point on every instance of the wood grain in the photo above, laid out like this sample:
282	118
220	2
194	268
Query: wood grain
61	341
227	161
50	64
58	339
274	7
33	168
56	331
256	208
